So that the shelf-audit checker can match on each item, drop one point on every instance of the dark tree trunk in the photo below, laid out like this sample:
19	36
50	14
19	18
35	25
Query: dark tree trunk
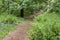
22	12
12	11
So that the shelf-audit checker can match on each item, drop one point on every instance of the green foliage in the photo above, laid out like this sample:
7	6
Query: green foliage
30	6
52	6
46	27
7	18
14	7
11	19
5	29
8	23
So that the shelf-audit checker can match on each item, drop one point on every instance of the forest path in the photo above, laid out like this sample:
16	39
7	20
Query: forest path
21	32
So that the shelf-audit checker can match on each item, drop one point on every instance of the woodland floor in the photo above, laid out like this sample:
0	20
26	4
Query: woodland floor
21	32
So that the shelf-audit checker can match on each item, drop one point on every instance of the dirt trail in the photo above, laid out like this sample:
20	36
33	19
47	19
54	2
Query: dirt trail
18	34
21	32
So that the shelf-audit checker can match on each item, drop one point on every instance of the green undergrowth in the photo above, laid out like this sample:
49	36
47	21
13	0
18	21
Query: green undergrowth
45	27
8	23
11	19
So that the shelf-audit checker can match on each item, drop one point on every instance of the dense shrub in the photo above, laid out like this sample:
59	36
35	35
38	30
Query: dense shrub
10	19
45	27
14	6
30	6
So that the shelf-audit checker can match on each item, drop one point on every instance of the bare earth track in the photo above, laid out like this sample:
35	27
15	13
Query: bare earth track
21	32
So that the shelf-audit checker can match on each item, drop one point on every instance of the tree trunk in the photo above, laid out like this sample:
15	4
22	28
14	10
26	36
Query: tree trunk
22	12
